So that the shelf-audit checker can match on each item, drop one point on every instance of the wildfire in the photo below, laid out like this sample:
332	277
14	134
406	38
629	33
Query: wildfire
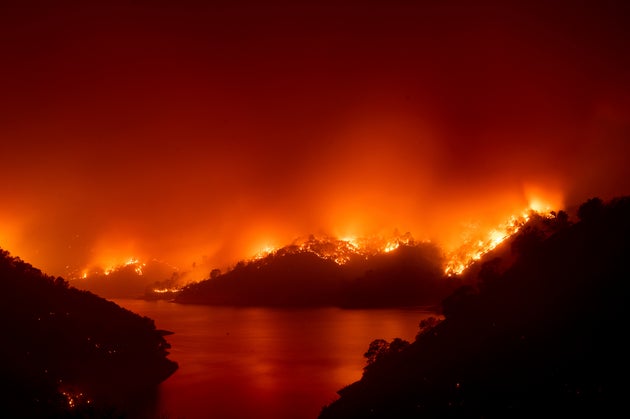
74	397
540	202
264	252
391	247
343	249
474	250
340	250
137	266
165	290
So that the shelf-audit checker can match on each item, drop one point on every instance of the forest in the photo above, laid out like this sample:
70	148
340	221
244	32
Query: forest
542	335
70	353
410	275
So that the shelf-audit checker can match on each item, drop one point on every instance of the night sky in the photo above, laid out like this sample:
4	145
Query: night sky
202	131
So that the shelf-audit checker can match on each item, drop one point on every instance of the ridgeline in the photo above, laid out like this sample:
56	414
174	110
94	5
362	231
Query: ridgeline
410	275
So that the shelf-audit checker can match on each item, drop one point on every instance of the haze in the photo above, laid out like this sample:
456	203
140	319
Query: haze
201	132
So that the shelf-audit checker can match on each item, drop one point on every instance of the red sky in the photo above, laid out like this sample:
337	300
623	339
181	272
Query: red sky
195	131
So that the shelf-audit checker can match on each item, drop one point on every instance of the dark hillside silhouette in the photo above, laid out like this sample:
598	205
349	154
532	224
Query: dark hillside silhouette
410	275
407	276
538	227
70	353
544	338
292	279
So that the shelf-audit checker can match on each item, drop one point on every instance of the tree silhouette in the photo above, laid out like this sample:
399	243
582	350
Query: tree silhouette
489	272
591	209
527	240
459	301
545	336
427	325
62	342
376	350
380	349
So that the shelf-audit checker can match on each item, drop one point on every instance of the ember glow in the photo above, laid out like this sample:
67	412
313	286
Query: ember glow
165	290
109	269
74	397
473	249
340	250
474	244
200	134
476	241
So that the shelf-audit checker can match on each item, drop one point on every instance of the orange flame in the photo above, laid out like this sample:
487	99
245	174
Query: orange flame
473	250
540	202
137	265
340	250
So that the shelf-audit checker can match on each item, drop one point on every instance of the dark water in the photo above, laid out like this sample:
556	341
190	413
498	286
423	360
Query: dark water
238	363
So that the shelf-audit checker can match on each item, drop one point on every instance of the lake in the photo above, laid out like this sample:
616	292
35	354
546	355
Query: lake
264	363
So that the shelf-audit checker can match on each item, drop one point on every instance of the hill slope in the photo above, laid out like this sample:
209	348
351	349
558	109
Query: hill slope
544	338
410	275
65	351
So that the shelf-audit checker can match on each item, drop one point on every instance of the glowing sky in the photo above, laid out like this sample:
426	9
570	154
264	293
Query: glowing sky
202	131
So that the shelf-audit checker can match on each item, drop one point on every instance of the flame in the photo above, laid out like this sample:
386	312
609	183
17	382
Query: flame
542	201
339	250
264	252
165	290
460	250
465	253
390	247
473	250
74	397
137	265
539	206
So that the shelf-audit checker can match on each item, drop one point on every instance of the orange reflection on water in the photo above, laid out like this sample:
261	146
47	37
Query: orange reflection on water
266	363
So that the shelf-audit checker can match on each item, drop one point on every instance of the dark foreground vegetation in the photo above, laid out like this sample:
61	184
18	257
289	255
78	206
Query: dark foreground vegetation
69	353
411	275
542	337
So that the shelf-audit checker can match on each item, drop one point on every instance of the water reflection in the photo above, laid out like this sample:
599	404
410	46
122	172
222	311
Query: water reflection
238	363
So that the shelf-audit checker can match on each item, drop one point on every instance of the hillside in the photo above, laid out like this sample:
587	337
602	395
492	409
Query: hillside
544	337
70	353
411	274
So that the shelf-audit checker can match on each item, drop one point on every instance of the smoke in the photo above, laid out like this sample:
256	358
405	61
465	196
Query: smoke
202	134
